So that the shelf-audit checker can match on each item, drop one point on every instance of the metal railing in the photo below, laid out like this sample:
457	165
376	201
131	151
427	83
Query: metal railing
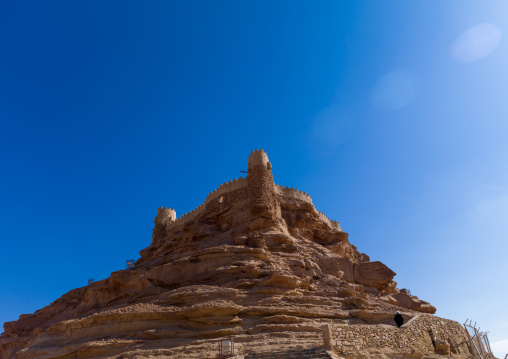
478	341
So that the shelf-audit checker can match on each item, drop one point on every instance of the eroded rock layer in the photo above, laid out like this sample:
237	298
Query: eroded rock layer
255	261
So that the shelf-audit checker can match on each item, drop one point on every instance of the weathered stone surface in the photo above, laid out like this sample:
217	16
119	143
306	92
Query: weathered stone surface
424	336
255	261
442	347
373	274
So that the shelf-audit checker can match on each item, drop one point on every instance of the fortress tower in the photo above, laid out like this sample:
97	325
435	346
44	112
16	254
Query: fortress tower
165	216
263	200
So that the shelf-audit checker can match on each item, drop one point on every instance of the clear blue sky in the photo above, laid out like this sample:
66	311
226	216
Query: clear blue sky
392	115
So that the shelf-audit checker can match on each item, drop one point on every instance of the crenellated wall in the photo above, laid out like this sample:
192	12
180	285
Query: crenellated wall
258	158
167	216
424	333
224	188
331	223
291	192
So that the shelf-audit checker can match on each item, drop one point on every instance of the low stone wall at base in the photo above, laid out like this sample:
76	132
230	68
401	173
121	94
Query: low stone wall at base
425	333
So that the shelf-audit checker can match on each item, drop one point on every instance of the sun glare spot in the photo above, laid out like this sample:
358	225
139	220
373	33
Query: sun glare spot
476	43
329	129
395	90
331	126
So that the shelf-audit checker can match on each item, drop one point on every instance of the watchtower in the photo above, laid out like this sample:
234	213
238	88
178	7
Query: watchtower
261	188
165	216
257	158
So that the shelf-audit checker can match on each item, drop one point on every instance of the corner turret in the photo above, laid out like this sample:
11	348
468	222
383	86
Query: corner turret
165	216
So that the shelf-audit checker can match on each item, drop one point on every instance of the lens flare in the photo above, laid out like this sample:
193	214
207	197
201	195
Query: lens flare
476	43
395	90
331	126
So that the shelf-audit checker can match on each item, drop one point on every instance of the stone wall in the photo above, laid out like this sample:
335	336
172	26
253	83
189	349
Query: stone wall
293	193
290	192
225	188
165	215
424	334
166	221
331	223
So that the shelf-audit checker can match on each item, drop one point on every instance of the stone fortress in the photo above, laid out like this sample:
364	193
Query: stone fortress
256	263
167	216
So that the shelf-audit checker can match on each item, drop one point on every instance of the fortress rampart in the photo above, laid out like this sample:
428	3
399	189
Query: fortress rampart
223	189
167	216
290	192
331	223
424	333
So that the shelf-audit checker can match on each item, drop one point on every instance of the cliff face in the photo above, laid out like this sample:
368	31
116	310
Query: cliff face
256	261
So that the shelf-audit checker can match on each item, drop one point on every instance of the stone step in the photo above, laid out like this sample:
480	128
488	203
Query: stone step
313	353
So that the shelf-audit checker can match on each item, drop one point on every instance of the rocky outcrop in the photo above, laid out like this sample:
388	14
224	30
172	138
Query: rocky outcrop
373	274
256	261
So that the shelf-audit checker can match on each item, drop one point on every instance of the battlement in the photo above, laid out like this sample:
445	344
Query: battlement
291	192
167	216
224	188
331	223
258	157
188	217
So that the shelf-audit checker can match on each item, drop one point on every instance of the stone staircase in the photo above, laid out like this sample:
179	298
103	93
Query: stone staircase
314	353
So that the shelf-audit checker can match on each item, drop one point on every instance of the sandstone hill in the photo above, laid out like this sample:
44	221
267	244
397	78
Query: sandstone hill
256	262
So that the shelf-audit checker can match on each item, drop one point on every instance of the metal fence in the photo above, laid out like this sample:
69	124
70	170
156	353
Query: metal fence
478	341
